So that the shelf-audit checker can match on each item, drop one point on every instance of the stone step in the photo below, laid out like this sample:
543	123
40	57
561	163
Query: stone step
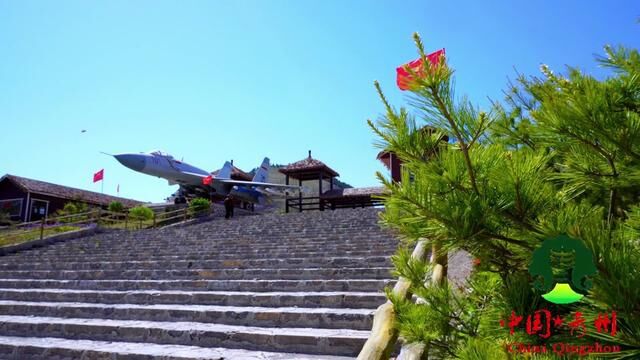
327	318
357	233
275	286
195	274
218	249
47	348
195	256
212	253
335	299
212	243
364	285
302	340
206	264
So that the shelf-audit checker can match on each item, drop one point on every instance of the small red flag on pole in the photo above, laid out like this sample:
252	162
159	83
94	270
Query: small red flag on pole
98	176
405	79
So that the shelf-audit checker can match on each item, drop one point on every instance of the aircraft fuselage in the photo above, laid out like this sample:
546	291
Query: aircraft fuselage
164	166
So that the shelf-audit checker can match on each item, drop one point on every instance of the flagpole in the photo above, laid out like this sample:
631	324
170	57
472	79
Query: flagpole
102	186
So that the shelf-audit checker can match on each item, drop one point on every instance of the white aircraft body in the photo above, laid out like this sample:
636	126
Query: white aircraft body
194	181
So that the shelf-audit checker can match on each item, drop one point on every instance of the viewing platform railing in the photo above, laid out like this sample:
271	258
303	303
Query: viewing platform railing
321	203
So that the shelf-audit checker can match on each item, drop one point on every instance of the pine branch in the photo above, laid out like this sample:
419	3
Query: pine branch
463	145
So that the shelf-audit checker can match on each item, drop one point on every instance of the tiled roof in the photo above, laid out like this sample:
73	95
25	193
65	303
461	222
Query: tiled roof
307	164
66	192
354	192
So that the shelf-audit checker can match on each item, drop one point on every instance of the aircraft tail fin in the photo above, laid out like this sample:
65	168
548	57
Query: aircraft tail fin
262	174
225	172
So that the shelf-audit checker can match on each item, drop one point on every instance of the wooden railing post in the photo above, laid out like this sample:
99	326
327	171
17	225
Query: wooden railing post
154	219
126	221
99	217
383	335
42	229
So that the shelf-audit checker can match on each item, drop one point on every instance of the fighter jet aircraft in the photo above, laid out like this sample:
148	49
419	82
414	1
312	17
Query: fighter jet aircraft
194	181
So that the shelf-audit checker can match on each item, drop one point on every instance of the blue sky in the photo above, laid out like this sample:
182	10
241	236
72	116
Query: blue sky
210	81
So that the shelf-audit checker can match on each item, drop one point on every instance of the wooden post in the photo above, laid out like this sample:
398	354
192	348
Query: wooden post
99	217
42	229
126	220
286	199
320	191
154	219
383	334
300	195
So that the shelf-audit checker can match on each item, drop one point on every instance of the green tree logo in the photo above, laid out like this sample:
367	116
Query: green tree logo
562	268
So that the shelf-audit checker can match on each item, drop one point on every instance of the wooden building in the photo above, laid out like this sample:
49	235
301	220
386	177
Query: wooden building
394	164
26	199
311	169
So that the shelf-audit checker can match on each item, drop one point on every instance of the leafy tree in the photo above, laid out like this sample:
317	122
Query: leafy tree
199	206
116	206
560	156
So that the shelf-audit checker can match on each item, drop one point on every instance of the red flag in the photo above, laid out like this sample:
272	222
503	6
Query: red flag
206	180
98	176
404	77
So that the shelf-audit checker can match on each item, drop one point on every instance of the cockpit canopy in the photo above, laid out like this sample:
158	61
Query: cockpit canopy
160	153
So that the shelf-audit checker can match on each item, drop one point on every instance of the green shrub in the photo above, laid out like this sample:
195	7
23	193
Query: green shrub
5	218
199	206
116	206
141	213
72	208
68	209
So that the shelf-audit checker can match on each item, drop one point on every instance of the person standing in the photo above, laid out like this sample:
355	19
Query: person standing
228	206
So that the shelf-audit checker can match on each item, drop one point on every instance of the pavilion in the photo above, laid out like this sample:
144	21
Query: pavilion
310	169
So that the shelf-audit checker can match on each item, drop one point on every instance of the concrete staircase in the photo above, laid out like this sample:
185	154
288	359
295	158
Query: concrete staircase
294	286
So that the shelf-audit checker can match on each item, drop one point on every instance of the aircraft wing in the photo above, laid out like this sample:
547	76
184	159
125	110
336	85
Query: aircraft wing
195	177
257	184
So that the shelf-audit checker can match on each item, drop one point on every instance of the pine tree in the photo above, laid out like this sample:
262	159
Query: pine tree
561	155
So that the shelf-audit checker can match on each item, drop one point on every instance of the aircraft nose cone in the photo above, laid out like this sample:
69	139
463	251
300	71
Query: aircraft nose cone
132	161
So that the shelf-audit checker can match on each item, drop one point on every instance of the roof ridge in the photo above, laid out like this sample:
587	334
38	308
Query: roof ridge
40	187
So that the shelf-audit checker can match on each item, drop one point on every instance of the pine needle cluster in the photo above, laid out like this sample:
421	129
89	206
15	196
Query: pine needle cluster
560	155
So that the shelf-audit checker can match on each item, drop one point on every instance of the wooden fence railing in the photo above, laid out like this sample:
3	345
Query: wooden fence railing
102	218
319	203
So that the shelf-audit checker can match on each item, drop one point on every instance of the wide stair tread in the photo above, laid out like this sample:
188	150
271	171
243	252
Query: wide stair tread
295	286
42	348
310	340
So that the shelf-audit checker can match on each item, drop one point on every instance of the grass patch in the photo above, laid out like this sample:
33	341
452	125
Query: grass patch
12	237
